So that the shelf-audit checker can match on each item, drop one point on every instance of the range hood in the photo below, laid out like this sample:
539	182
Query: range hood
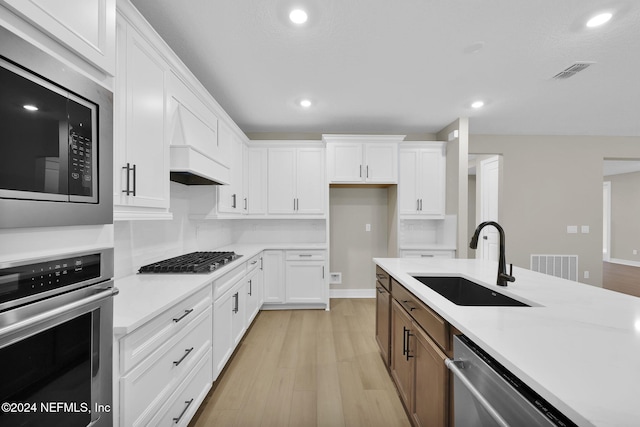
192	152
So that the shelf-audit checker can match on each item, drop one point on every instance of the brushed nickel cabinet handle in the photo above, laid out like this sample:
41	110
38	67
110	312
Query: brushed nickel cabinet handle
186	313
188	403
186	353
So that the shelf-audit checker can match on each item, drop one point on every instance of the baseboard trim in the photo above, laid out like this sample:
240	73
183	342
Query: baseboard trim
352	293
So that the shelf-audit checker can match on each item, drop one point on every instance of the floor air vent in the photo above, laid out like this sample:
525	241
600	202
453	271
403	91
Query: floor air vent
564	266
572	70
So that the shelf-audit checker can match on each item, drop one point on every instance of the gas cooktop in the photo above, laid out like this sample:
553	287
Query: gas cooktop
194	262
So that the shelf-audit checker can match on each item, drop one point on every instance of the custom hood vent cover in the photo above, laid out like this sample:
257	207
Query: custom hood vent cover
572	70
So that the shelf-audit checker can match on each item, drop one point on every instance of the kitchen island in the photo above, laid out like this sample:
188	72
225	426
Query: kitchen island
577	346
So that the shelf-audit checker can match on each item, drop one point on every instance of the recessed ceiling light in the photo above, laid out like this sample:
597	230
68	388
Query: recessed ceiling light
298	16
477	104
30	107
599	19
305	103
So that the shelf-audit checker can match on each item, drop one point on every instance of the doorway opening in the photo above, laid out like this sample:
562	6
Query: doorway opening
485	182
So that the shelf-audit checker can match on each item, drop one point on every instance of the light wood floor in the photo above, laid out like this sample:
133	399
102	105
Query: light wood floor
307	368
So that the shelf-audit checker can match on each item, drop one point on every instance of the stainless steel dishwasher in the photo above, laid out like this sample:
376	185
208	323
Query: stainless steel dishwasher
486	394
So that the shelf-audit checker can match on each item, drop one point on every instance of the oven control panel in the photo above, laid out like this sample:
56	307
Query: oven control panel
31	279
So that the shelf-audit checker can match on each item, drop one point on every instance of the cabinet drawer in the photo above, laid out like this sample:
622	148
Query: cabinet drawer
253	263
427	254
145	388
139	344
383	278
184	403
431	322
311	255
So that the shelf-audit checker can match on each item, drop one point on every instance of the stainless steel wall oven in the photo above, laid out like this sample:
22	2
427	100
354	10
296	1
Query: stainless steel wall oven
55	141
56	320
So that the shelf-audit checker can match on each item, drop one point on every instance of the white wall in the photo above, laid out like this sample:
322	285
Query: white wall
550	182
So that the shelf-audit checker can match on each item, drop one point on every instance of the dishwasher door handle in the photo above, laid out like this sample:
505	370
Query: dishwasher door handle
453	367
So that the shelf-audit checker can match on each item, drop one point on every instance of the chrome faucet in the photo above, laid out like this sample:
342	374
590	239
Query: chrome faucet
503	277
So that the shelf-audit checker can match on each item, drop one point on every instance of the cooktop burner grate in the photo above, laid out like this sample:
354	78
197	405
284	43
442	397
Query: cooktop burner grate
194	262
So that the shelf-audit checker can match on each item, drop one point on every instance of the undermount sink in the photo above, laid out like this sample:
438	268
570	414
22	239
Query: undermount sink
461	291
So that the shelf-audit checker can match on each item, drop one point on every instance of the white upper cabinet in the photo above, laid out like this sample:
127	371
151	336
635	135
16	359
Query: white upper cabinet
231	198
295	181
87	27
421	186
141	166
362	159
256	181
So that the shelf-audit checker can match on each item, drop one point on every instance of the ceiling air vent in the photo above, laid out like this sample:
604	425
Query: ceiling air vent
572	70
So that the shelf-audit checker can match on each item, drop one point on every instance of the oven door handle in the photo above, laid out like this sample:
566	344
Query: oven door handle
453	367
48	315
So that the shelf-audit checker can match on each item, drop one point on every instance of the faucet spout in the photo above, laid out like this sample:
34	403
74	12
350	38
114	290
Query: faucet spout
503	277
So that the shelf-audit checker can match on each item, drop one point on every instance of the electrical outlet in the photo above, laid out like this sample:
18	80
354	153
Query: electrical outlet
635	252
584	229
335	278
586	274
367	227
572	229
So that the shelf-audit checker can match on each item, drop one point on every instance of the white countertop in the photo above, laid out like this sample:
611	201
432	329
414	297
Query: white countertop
579	348
144	296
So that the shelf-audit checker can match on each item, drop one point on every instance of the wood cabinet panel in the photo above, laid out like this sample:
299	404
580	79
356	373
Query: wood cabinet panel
383	311
430	403
401	364
436	326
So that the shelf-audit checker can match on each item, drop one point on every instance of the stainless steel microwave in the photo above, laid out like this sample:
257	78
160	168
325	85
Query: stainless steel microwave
56	141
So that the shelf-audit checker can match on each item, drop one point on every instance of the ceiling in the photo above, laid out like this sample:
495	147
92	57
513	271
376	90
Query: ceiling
411	66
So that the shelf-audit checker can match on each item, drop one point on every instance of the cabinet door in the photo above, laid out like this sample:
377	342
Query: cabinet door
222	331
345	162
431	390
253	291
145	145
86	26
257	180
408	199
383	322
431	185
310	183
272	265
401	365
230	197
305	281
381	163
281	180
238	310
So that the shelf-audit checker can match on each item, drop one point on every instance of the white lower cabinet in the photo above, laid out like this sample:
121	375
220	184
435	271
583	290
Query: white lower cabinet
253	289
273	264
228	324
237	300
184	403
163	357
305	277
295	278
